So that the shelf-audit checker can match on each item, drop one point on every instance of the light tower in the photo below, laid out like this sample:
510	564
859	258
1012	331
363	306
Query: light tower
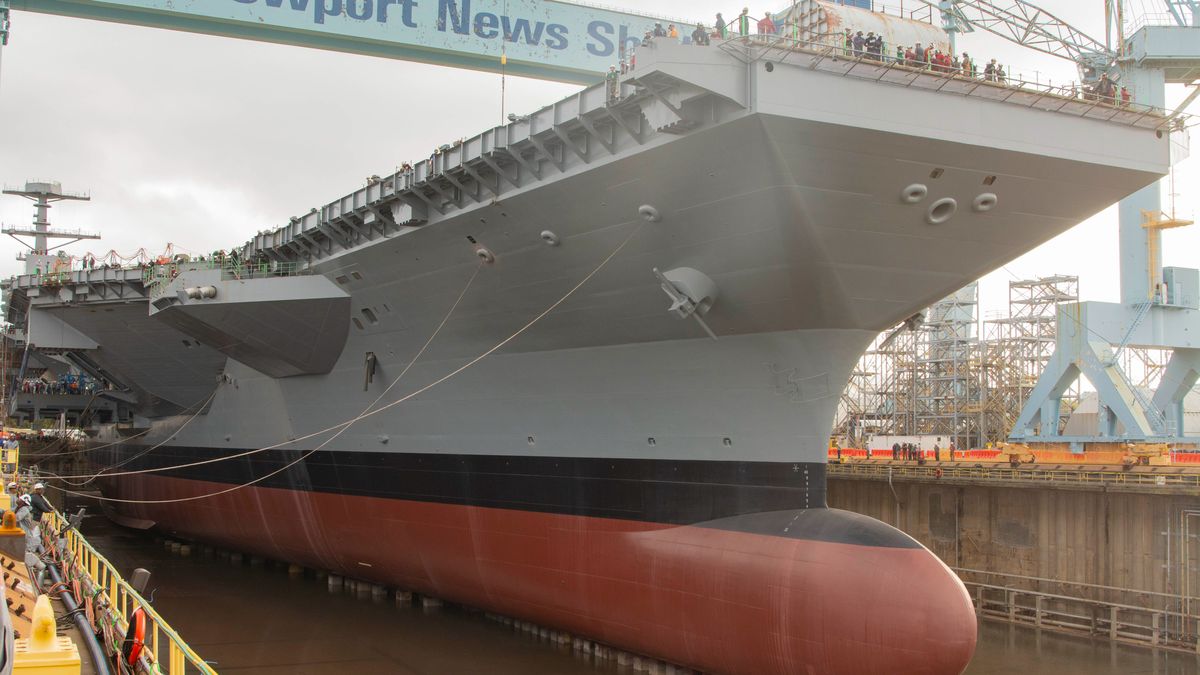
43	194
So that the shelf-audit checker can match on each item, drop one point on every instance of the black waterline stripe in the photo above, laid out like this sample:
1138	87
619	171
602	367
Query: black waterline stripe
725	494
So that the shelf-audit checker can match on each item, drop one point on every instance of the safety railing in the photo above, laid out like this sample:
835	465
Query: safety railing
1055	476
1005	86
156	277
1153	19
112	597
1118	622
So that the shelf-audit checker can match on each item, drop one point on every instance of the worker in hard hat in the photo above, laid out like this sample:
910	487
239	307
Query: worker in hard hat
33	538
13	496
41	505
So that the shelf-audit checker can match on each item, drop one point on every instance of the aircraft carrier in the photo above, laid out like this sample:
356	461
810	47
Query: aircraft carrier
669	281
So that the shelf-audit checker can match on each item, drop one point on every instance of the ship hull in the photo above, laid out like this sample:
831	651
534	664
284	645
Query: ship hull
812	590
545	438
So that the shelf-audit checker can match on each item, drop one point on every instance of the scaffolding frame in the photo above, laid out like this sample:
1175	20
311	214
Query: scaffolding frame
946	379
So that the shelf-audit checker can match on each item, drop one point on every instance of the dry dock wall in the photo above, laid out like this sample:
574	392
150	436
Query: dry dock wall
1138	540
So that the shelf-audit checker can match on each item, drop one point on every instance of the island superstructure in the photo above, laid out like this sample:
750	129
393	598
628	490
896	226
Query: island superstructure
612	470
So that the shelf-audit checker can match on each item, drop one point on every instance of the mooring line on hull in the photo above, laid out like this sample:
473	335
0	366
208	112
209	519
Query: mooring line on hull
344	426
170	436
603	263
196	406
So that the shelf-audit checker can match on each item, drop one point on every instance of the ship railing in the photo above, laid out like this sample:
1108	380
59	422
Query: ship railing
1119	622
108	587
1142	20
1069	97
1056	476
73	275
159	275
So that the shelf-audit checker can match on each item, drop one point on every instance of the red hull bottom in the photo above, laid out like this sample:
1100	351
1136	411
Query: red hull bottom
714	599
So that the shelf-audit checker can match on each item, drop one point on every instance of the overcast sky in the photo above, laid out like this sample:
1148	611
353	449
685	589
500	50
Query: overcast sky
202	141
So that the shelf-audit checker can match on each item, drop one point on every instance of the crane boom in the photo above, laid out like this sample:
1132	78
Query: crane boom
1028	25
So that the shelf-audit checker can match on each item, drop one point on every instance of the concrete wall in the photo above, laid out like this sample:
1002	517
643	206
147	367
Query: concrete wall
1123	539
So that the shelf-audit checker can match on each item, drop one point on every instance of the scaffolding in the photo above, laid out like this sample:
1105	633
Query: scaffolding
943	379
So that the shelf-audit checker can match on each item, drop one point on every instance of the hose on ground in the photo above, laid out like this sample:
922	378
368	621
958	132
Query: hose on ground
99	658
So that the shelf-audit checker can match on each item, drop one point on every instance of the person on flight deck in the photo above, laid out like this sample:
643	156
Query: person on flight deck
765	25
895	451
658	30
744	22
700	35
858	42
989	72
13	497
721	26
40	505
673	32
849	45
918	54
937	452
1106	89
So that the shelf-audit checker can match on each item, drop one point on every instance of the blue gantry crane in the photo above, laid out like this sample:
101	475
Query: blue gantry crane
1159	307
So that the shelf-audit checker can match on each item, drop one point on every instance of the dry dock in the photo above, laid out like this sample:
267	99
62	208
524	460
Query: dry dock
1100	550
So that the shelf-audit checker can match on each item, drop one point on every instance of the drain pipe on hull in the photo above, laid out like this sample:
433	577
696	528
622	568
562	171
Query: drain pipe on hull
894	496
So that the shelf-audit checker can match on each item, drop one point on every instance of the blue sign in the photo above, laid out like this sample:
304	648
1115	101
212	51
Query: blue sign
548	39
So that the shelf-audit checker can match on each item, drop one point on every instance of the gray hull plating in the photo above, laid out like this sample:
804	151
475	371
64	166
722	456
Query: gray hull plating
810	198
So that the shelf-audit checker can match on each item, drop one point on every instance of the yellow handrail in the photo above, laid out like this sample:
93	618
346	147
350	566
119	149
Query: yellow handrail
87	561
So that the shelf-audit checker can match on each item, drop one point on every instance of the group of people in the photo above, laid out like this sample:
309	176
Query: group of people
929	57
1106	91
64	385
912	452
29	507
